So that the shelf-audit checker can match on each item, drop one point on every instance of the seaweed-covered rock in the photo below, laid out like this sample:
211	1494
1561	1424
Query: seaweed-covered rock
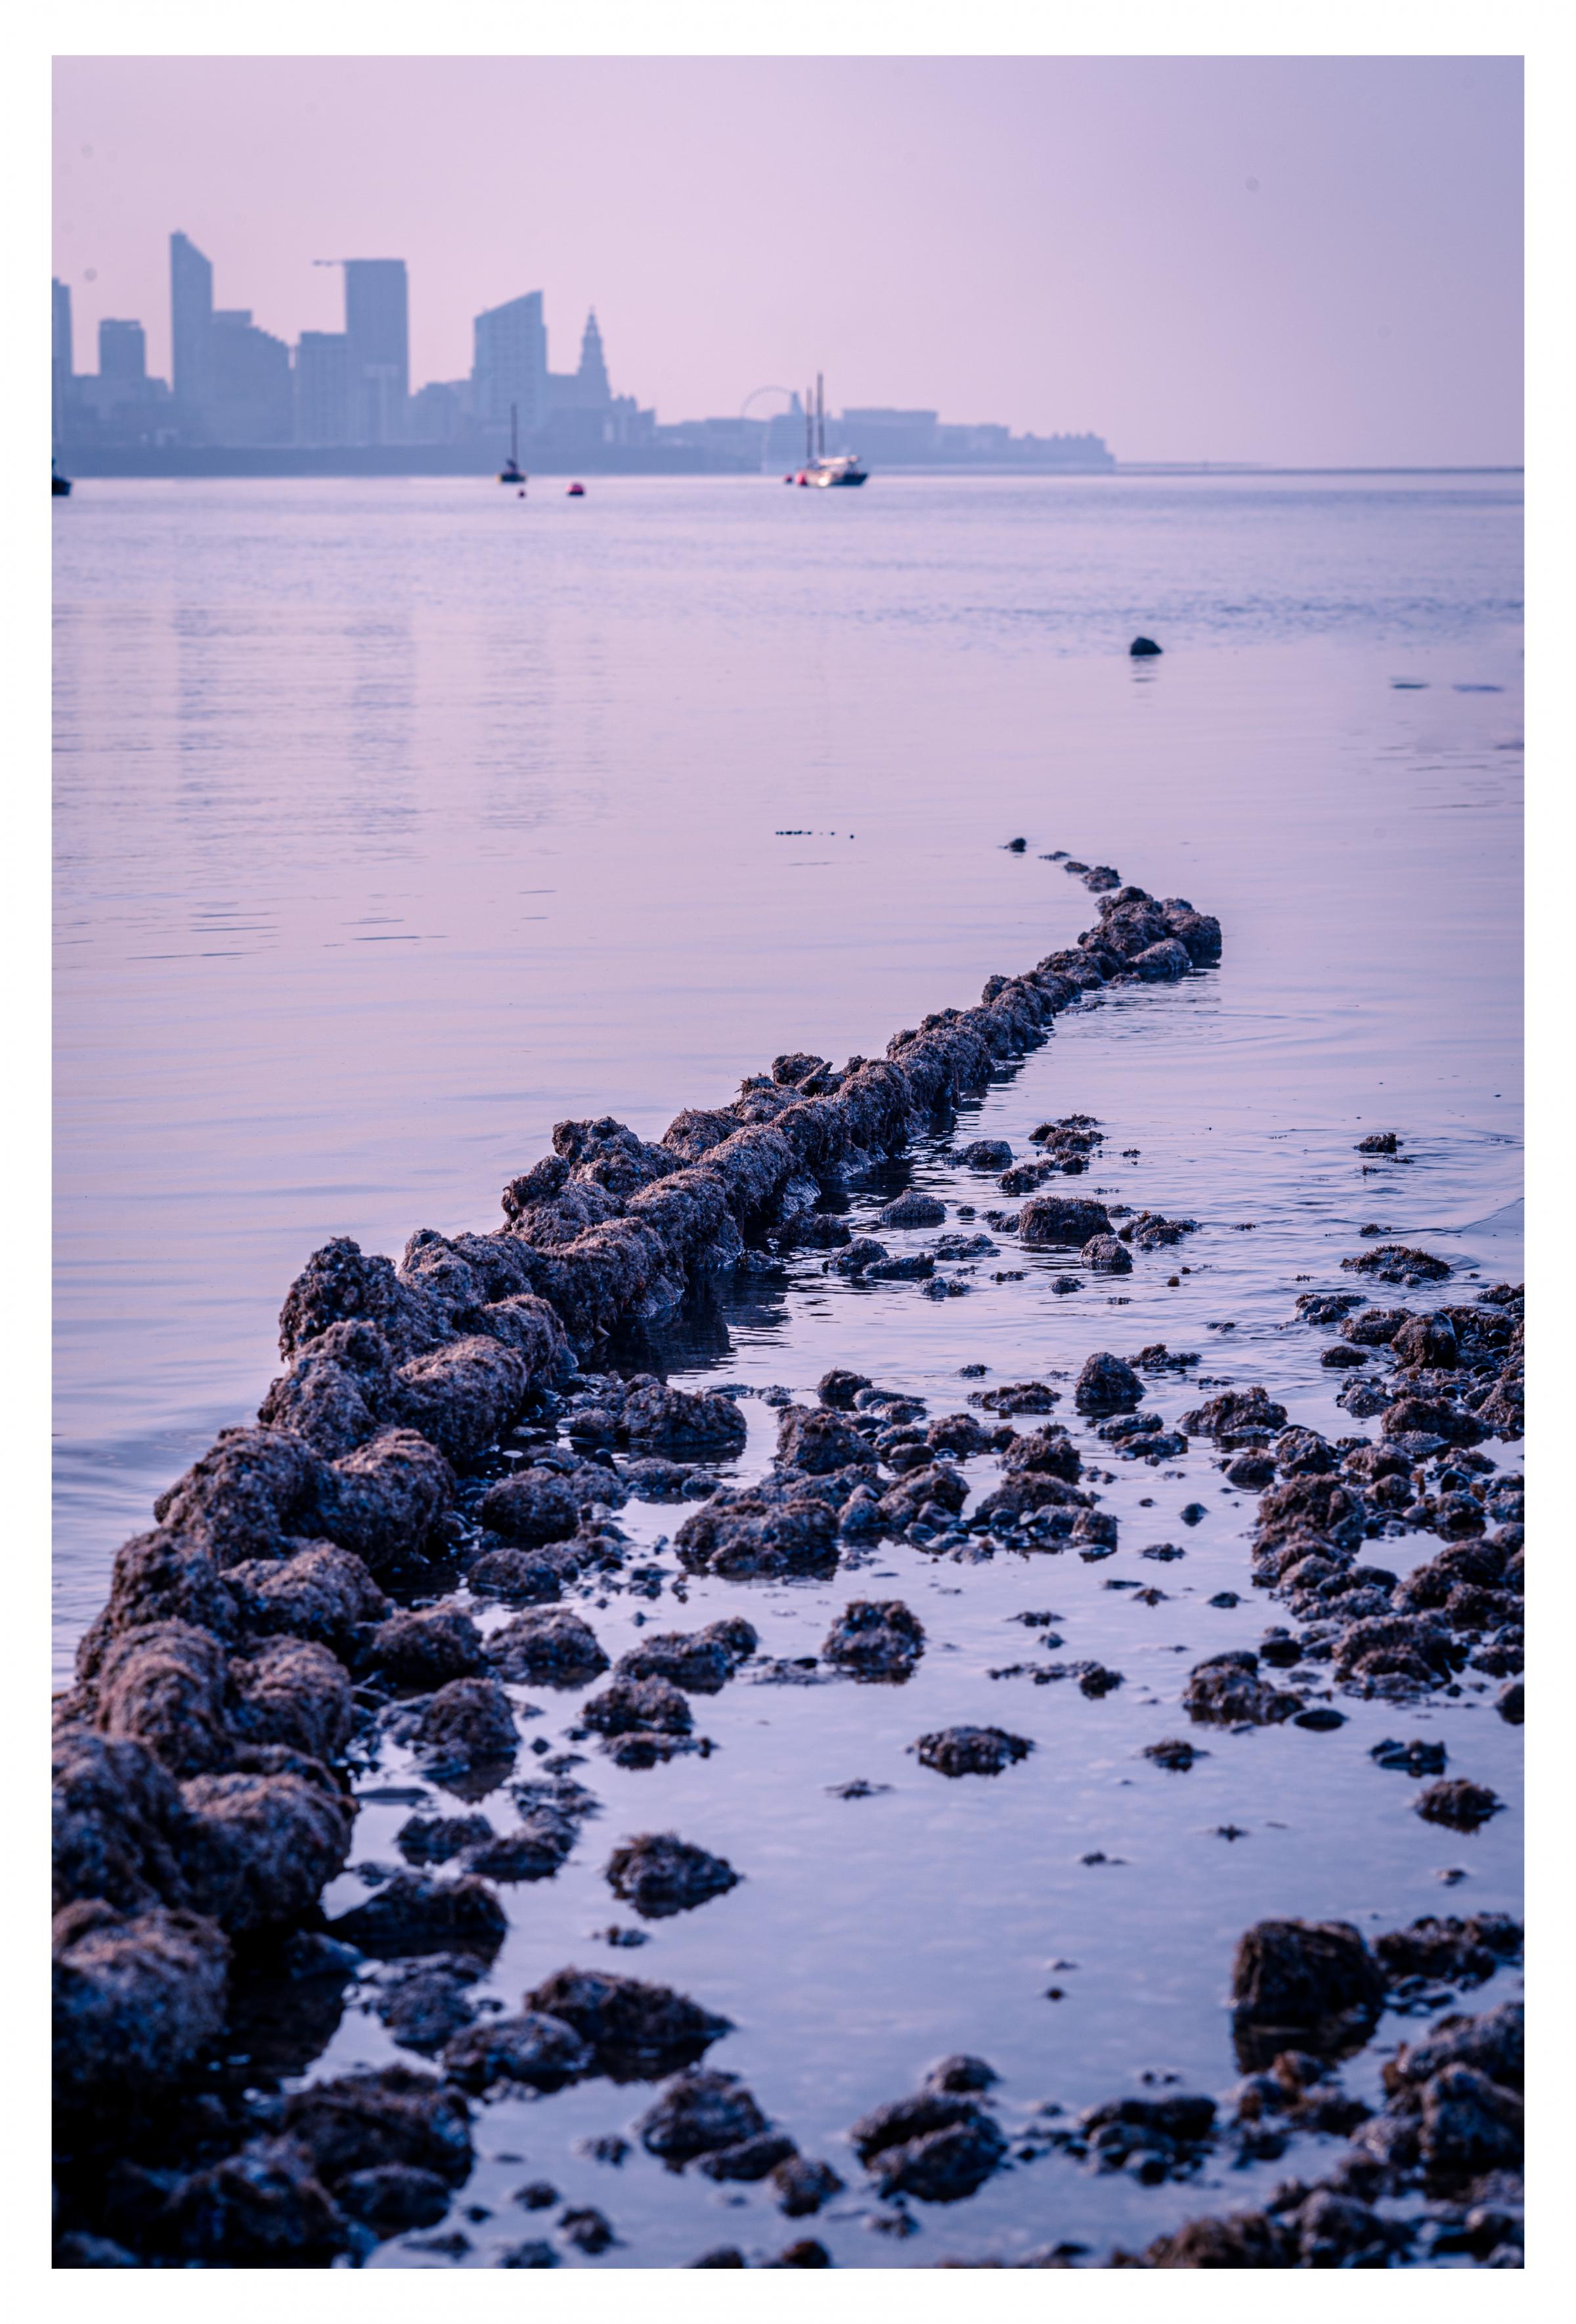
467	1725
700	1661
1462	1806
838	1388
816	1440
1061	1222
118	1824
264	2206
414	1913
1106	1385
700	2112
533	1507
1245	2239
972	1750
425	1649
804	2185
875	1639
1226	1690
385	1500
137	1997
760	1532
387	2114
705	1428
1163	963
1468	2125
638	2031
293	1692
1105	1255
546	1649
1310	1985
427	2004
1047	1452
164	1686
914	1210
1234	1411
936	2146
659	1875
522	1576
393	2197
262	1839
1418	1416
1396	1262
934	1485
1461	1952
321	1592
533	1850
751	2159
539	2050
638	1706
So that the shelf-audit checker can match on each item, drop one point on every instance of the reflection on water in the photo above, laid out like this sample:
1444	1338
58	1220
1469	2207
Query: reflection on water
395	824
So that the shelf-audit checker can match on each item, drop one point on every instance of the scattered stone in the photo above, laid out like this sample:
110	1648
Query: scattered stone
875	1639
660	1875
1462	1806
972	1750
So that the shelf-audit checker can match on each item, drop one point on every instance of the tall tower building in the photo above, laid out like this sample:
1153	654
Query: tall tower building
593	373
123	350
510	365
61	349
191	328
377	332
61	362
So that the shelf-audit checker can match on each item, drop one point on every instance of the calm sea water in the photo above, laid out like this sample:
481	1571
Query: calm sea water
397	821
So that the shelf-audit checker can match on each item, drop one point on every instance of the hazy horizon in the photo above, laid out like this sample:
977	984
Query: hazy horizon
1313	260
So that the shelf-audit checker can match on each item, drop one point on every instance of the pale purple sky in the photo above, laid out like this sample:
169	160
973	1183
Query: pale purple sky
1284	259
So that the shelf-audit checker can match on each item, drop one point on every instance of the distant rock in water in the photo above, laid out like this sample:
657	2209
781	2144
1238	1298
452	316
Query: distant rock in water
1143	646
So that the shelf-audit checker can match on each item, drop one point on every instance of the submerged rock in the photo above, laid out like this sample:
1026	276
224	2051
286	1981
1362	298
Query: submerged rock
936	2146
972	1750
1310	1985
659	1875
137	1997
637	2031
875	1639
539	2050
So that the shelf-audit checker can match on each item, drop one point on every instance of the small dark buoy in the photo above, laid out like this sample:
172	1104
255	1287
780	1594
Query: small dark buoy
521	495
1016	846
1143	646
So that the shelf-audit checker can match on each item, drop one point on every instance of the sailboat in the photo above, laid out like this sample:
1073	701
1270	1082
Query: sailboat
59	486
512	472
844	468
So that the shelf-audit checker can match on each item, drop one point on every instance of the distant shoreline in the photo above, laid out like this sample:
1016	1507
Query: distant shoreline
295	463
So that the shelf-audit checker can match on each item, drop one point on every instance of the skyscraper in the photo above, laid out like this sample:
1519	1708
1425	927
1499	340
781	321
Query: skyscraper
60	327
61	362
123	350
593	373
322	388
377	331
252	395
511	366
191	328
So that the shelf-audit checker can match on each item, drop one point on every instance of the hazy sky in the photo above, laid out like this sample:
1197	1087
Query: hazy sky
1275	259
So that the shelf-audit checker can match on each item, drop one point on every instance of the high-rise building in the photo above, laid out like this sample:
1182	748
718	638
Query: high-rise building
192	329
61	362
377	331
123	350
322	388
60	327
253	399
511	367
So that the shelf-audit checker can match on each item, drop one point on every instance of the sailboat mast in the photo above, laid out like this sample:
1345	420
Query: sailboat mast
820	419
514	435
809	427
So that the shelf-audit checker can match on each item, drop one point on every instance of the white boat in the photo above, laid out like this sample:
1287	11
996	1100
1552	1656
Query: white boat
843	468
